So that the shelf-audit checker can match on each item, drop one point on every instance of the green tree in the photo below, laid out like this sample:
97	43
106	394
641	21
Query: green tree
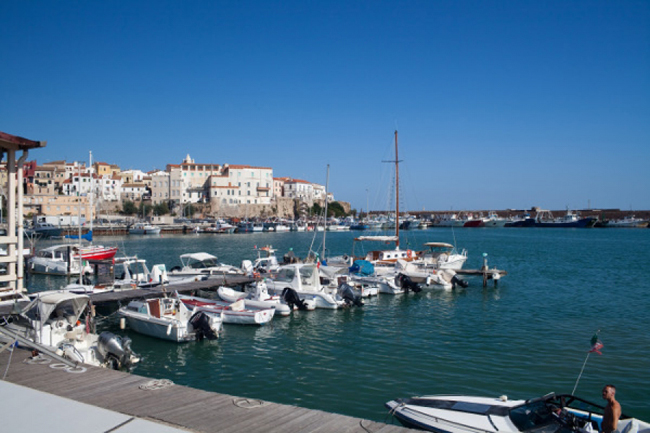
316	209
144	209
161	209
335	209
129	208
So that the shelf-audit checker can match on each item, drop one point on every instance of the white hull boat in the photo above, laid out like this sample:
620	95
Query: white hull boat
62	322
144	229
233	313
257	297
303	278
170	319
441	255
465	414
202	264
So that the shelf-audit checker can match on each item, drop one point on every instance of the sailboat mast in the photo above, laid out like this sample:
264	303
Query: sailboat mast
327	182
92	191
396	194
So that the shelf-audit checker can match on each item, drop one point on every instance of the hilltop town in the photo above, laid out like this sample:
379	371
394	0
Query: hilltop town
188	189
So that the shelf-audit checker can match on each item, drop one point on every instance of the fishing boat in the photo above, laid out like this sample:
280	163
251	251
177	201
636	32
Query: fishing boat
43	230
494	220
62	322
234	313
220	226
545	218
255	296
170	319
627	222
144	229
466	414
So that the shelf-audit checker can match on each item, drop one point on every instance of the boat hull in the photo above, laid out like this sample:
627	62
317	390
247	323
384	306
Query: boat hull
159	328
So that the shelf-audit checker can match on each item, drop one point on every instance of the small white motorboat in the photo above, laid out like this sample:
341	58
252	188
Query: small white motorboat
170	319
62	322
202	264
552	413
256	296
144	229
234	313
304	280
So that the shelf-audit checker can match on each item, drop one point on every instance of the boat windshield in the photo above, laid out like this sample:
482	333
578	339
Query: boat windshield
285	275
539	417
205	263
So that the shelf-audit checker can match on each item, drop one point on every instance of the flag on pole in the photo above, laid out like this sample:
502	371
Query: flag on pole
596	345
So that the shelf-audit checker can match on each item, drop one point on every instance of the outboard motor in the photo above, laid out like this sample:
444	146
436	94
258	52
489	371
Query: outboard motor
406	283
292	299
346	292
116	351
455	281
201	324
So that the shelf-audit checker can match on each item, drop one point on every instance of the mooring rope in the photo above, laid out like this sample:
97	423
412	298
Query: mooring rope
247	403
156	384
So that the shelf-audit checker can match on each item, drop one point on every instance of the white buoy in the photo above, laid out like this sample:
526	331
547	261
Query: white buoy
123	323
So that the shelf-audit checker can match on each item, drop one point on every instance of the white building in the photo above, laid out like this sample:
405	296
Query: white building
300	189
108	187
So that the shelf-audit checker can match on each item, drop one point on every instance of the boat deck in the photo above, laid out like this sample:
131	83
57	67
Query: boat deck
142	400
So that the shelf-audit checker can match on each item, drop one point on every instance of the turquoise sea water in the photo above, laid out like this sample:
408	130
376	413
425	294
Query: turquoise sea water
525	338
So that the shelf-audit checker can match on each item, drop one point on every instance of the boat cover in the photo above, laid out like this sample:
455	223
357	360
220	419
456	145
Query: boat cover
363	268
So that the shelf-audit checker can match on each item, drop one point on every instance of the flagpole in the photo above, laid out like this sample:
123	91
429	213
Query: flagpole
594	340
580	375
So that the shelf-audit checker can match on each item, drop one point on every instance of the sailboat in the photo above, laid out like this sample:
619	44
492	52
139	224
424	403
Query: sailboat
67	259
401	264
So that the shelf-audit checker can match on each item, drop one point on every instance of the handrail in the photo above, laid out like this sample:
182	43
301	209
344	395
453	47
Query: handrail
32	344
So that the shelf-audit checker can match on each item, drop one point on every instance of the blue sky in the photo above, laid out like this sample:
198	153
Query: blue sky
499	104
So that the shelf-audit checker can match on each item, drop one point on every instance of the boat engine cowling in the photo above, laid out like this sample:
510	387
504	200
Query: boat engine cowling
406	283
118	348
346	292
292	299
202	329
455	281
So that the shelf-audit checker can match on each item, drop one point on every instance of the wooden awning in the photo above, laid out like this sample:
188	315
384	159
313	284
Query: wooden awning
13	142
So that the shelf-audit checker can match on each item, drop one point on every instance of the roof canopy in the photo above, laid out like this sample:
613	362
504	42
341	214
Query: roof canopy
14	142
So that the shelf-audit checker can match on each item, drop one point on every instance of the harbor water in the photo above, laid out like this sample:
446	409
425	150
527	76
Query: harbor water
528	336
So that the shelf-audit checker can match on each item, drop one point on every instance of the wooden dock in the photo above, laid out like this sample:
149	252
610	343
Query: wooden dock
169	404
112	298
485	274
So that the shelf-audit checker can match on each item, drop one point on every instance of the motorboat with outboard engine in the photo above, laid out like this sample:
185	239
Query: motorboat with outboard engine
63	322
171	319
202	264
552	413
233	312
255	296
304	280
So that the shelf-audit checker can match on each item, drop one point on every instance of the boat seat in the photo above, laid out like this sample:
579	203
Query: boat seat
238	306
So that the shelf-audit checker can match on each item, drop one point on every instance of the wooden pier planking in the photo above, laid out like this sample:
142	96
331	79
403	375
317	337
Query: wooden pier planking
177	405
486	274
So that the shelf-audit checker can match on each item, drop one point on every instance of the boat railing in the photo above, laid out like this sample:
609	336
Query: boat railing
446	421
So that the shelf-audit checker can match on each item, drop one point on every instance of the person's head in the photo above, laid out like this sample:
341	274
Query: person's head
609	391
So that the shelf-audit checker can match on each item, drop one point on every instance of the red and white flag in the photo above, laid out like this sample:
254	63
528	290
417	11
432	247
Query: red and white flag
596	345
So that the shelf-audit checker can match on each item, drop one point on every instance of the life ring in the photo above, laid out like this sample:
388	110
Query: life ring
409	254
